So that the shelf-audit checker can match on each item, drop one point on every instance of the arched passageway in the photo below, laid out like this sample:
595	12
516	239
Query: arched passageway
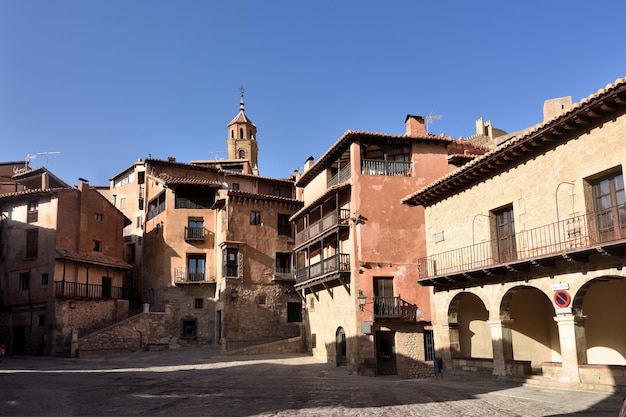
469	329
529	314
340	347
601	303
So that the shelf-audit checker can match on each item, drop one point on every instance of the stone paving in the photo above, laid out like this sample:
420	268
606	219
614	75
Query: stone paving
199	382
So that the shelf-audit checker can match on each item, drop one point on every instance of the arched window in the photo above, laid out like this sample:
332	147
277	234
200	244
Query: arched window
241	133
242	154
232	133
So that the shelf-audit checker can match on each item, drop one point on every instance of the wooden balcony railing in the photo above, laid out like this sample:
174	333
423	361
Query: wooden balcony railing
327	222
67	289
336	263
194	233
182	275
340	177
394	307
386	168
570	235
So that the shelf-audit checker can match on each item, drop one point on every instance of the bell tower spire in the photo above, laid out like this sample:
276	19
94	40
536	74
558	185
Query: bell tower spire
241	140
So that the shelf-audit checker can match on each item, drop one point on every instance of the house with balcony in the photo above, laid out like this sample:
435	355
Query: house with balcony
61	269
527	278
356	245
212	240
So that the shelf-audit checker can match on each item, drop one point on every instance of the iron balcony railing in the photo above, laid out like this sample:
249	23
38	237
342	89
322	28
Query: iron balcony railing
194	233
182	275
336	263
67	289
335	218
394	307
342	176
573	234
387	168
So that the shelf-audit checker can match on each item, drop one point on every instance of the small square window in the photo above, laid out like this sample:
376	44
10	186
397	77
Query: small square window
99	217
97	246
199	303
44	279
235	186
255	218
262	299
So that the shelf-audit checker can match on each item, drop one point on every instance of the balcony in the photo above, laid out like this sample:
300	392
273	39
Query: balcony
573	240
386	168
283	274
66	289
193	203
339	263
183	276
340	177
394	308
194	233
336	218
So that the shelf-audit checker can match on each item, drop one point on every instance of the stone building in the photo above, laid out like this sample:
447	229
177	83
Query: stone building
527	278
208	242
60	263
356	246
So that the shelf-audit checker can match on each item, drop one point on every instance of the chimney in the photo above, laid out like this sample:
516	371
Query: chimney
171	159
308	163
415	125
556	106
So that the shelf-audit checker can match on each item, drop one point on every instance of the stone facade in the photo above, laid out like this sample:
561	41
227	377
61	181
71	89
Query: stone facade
546	291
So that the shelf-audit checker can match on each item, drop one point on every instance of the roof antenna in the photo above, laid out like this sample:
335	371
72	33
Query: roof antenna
47	153
430	118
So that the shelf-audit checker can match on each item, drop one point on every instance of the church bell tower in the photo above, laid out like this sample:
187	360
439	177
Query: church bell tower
242	144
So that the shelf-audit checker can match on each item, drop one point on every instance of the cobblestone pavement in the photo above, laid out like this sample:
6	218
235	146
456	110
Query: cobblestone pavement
199	382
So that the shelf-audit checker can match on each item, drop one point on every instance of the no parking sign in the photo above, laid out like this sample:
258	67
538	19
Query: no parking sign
562	298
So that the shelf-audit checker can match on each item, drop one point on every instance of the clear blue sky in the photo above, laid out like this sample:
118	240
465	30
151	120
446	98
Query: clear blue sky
108	82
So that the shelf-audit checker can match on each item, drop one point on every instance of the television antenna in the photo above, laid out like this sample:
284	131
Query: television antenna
47	154
215	154
430	118
25	168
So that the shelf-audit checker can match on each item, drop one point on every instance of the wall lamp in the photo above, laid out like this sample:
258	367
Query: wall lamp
362	299
234	293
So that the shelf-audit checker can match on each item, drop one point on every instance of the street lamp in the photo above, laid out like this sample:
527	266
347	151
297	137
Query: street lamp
362	299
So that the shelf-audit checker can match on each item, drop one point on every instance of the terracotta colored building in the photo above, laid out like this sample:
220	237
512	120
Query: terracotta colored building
209	240
528	278
60	264
356	246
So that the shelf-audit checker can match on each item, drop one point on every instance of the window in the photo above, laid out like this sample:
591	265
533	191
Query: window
230	263
505	234
99	217
24	281
131	253
283	263
199	303
235	186
97	246
41	320
189	329
141	177
284	225
294	312
609	204
429	345
255	218
384	300
195	267
262	299
33	211
122	203
32	243
242	154
44	279
194	229
156	205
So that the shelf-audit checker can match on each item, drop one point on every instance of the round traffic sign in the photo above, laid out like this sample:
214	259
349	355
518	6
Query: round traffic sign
562	298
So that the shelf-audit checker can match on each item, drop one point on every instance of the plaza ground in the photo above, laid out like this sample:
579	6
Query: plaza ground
199	382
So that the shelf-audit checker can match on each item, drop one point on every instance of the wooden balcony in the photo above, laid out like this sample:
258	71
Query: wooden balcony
183	276
77	290
339	263
340	177
331	220
386	168
394	308
573	240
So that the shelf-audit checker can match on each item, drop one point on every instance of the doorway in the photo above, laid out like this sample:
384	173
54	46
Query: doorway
386	353
340	347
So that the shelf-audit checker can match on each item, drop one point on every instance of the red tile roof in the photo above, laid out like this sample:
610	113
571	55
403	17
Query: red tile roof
92	259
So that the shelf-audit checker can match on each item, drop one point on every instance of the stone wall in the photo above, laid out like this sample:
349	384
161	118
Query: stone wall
292	345
147	330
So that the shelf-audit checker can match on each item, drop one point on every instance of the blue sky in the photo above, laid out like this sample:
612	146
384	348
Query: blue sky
107	82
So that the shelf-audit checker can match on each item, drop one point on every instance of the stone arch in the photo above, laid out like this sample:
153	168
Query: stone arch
599	304
340	347
527	314
470	335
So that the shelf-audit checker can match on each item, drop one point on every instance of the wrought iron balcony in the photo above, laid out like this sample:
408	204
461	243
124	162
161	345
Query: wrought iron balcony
336	218
194	233
334	264
183	276
394	308
599	232
67	289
